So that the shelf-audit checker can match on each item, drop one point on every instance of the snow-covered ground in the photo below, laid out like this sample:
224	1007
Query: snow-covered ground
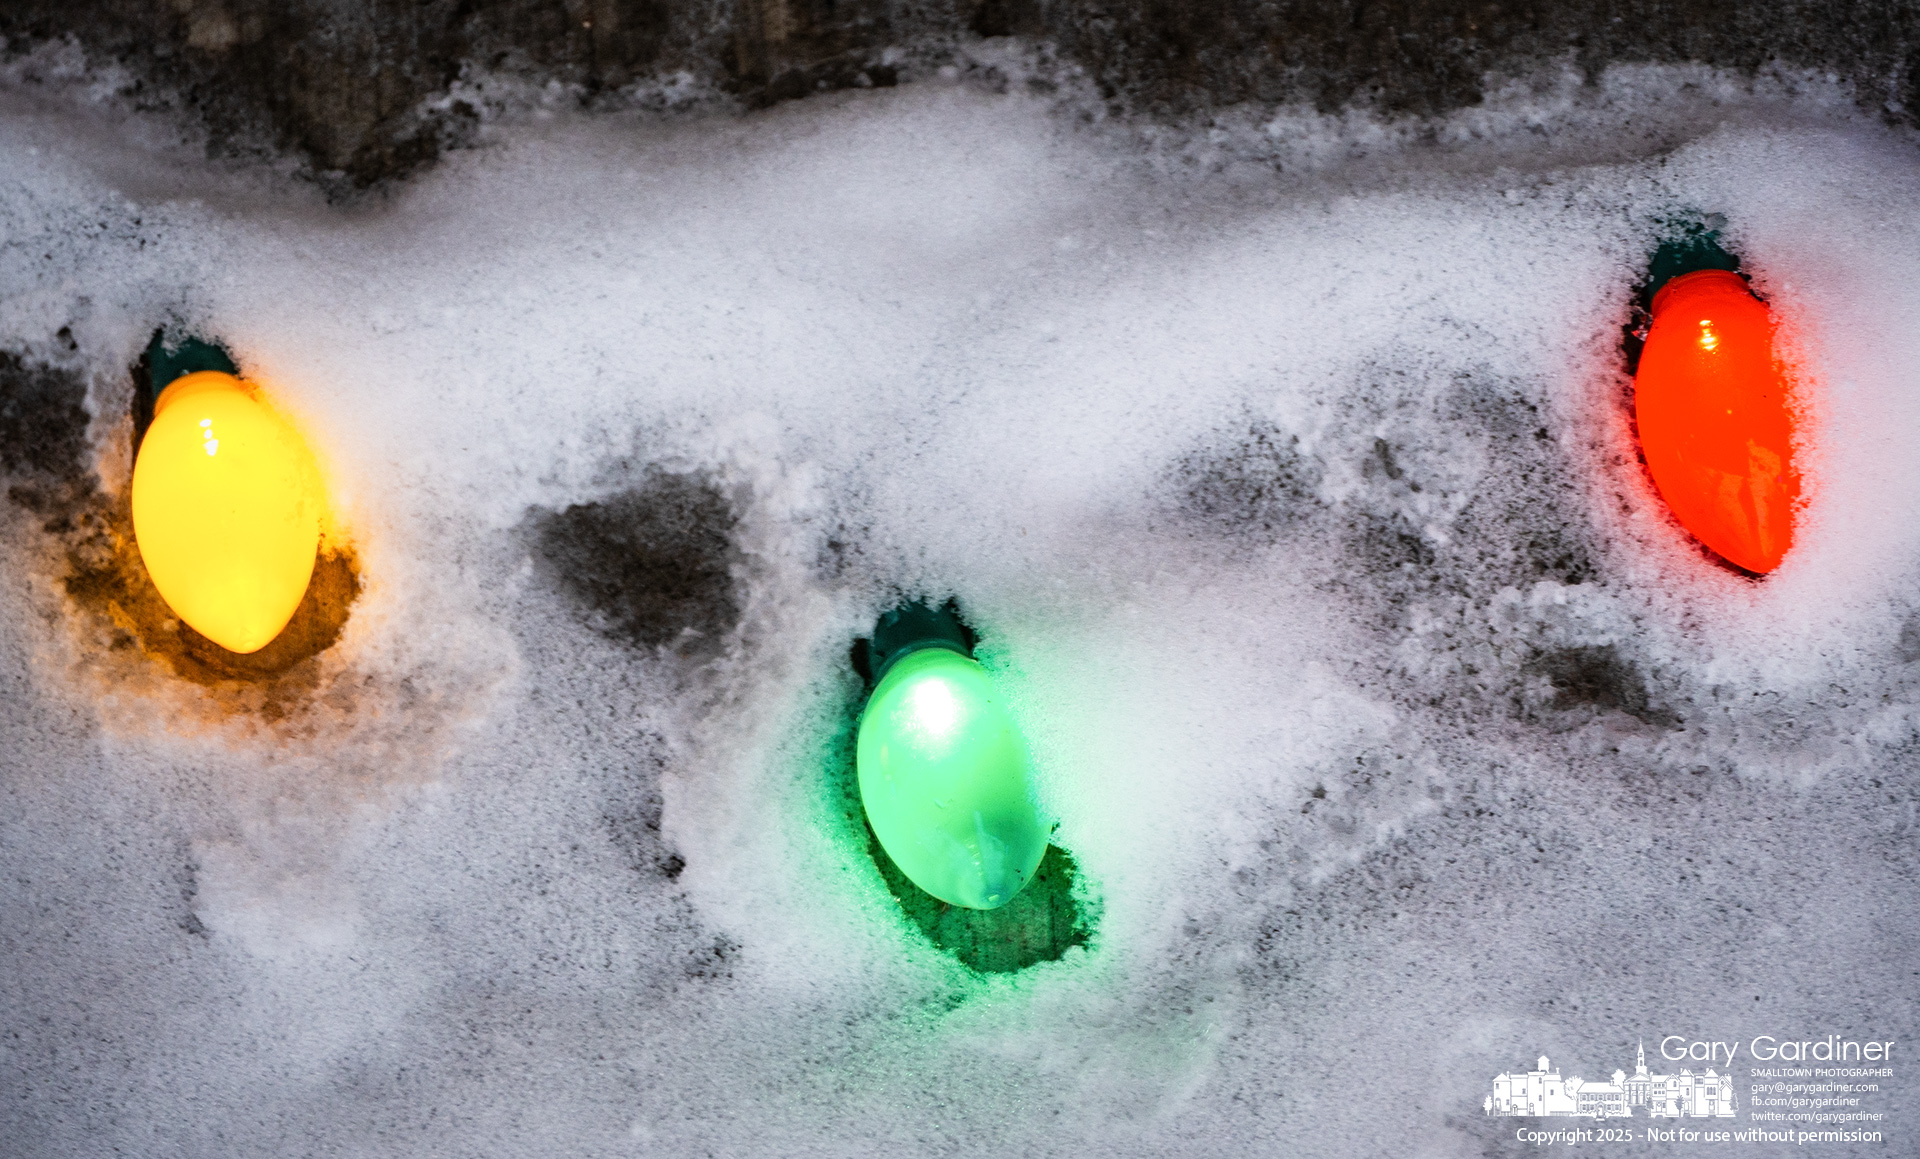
1284	466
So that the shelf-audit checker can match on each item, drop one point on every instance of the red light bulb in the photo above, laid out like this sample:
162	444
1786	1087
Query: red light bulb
1716	421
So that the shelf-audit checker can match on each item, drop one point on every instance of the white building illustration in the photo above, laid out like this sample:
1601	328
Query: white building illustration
1542	1091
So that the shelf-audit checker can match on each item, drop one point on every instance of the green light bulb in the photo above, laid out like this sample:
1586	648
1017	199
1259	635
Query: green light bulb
946	779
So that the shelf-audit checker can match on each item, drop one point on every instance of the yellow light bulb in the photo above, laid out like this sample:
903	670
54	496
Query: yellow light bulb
226	510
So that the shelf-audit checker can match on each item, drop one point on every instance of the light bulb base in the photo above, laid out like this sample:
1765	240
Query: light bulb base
168	358
174	356
1690	245
1693	245
910	628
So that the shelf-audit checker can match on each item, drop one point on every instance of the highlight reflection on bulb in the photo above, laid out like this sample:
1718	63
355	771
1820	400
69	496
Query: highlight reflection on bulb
945	777
934	709
1716	419
227	504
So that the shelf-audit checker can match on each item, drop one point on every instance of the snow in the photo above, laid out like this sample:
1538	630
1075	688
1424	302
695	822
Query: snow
1398	734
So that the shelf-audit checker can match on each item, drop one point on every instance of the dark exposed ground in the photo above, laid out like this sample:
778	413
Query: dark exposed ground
650	566
347	83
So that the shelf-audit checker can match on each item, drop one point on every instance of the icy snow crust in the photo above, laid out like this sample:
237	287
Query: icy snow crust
1285	471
